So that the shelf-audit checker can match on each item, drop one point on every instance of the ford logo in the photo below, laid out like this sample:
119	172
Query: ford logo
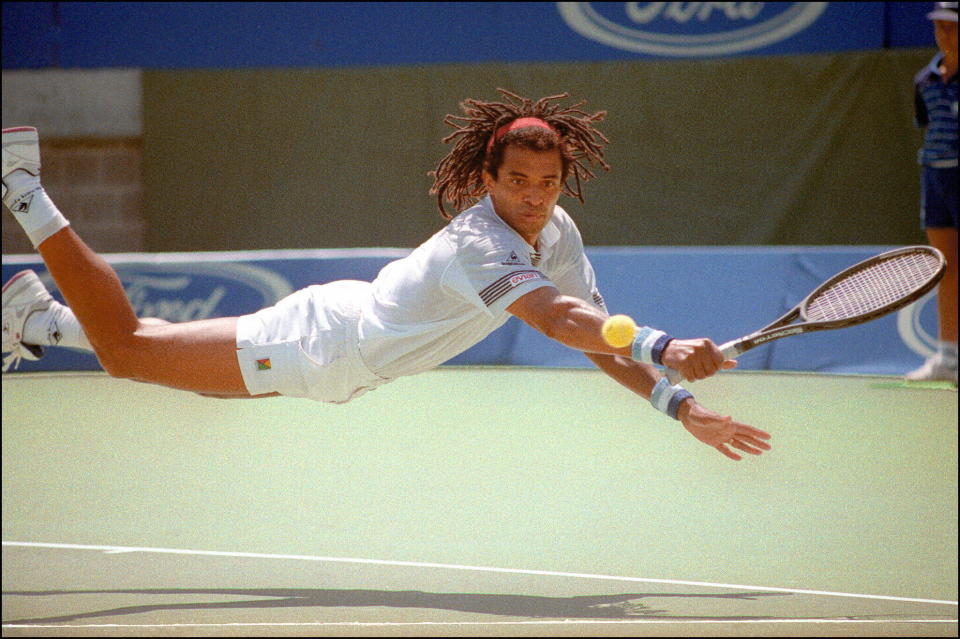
187	291
912	330
689	29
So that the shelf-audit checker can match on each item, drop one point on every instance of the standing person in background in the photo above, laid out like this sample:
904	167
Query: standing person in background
936	113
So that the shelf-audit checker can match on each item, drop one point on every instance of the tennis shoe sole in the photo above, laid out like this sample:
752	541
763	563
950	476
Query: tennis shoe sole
21	152
23	296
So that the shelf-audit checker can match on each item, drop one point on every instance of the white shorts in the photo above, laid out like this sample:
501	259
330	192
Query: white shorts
306	345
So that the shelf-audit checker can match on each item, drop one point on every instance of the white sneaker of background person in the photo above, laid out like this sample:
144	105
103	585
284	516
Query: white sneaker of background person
941	366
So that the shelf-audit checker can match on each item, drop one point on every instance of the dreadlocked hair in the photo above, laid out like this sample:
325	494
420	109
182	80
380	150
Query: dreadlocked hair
458	178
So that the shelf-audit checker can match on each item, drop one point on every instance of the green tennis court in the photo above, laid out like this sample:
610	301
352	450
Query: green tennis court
478	501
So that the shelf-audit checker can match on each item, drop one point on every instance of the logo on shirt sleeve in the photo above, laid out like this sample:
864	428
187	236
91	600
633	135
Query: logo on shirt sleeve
598	299
506	283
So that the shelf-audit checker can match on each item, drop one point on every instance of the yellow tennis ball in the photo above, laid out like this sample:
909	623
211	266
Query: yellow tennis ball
618	331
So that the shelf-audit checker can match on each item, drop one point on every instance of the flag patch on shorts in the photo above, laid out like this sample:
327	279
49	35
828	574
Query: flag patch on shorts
263	364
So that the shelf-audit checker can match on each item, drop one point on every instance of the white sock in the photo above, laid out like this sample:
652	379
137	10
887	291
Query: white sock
32	207
56	326
948	354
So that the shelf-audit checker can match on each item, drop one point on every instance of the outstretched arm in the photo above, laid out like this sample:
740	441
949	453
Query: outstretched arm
577	324
713	429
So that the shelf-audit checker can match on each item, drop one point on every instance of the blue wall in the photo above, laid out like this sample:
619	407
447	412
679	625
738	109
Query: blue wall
163	35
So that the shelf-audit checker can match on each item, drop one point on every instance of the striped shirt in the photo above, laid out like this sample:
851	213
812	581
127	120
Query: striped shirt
936	112
454	289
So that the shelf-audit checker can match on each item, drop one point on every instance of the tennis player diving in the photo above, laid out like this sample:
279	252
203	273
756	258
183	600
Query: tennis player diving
509	250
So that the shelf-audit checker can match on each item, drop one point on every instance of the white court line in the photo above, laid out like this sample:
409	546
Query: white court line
377	624
419	564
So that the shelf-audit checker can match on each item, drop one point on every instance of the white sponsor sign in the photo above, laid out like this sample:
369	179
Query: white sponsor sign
912	332
690	29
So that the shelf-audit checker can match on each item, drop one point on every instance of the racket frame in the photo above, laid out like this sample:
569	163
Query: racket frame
784	326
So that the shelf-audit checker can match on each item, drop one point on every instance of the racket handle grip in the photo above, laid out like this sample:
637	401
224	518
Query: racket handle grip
730	350
673	376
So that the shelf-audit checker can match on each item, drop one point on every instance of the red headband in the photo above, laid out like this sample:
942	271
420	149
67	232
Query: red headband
519	123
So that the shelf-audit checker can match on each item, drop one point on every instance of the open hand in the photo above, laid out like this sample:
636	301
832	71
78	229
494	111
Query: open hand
722	432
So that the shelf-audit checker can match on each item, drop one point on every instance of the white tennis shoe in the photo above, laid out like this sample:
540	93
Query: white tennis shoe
933	370
23	296
21	152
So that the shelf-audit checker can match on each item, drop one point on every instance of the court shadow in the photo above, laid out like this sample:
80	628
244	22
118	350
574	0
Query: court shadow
620	606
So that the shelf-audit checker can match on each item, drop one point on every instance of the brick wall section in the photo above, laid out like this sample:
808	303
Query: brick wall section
98	185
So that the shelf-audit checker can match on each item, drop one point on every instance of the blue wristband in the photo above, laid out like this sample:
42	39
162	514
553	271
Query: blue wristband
667	399
649	344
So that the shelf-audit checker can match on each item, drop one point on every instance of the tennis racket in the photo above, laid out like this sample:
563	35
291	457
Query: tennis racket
870	289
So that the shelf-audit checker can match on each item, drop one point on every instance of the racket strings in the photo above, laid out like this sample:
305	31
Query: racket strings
874	287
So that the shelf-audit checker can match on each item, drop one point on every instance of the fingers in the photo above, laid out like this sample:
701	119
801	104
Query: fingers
704	360
722	433
703	368
743	429
739	444
695	370
745	438
686	356
729	453
751	446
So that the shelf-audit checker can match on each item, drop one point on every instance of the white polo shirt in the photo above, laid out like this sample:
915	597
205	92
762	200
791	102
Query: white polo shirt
454	289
